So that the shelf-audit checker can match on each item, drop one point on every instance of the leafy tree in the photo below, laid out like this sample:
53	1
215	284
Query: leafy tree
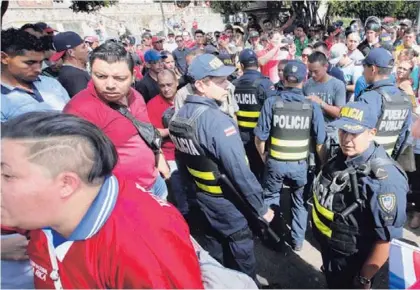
90	6
364	9
229	7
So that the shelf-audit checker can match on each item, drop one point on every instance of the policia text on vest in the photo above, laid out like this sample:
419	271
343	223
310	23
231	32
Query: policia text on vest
290	132
250	104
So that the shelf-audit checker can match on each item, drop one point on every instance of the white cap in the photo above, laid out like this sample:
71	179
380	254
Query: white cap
336	53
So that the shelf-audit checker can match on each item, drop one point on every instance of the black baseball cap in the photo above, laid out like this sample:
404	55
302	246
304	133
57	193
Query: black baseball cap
64	41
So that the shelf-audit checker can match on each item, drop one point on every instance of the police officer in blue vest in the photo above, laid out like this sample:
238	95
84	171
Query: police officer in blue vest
289	124
359	202
209	145
251	90
391	105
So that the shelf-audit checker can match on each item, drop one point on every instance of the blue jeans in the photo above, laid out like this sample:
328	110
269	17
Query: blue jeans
293	174
159	188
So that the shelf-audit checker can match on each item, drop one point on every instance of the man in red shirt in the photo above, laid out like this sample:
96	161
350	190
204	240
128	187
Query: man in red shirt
87	228
269	57
189	43
112	75
156	108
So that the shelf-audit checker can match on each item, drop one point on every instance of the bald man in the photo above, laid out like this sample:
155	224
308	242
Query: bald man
156	107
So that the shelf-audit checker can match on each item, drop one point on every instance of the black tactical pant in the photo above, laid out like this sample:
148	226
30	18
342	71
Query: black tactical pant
228	241
255	162
339	270
414	181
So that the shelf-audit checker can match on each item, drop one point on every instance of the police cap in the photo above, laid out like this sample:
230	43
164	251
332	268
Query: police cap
355	118
295	71
209	65
379	57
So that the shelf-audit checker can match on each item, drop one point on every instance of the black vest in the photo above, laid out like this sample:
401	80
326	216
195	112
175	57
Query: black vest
332	195
250	102
395	109
202	169
290	130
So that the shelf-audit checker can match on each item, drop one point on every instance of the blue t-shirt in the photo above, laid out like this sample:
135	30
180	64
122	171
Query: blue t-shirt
332	92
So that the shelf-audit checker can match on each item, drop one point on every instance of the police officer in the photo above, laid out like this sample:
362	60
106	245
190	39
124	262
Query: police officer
390	105
208	143
251	90
359	202
372	32
291	123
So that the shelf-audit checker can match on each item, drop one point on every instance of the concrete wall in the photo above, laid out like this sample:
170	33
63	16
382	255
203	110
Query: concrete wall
134	15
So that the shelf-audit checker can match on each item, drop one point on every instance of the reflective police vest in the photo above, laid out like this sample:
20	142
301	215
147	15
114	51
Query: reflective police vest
250	104
333	195
395	110
339	234
291	130
203	170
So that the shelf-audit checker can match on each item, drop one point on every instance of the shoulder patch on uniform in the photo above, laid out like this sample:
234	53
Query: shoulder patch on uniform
230	131
387	202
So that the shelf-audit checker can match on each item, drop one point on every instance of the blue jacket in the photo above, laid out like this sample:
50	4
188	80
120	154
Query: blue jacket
262	131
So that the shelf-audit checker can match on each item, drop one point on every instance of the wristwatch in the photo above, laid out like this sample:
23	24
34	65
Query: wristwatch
363	280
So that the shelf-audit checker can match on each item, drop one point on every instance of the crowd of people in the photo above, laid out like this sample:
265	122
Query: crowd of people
114	153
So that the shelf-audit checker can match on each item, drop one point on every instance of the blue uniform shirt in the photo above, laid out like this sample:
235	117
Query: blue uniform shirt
262	131
251	75
218	135
386	198
265	91
374	100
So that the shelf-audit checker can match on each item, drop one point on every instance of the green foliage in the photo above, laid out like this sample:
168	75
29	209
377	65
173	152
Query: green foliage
90	6
363	9
229	7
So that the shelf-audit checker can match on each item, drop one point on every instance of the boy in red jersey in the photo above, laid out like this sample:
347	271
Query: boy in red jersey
87	227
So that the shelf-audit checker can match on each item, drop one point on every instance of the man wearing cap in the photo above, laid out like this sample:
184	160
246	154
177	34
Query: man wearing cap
48	30
70	47
251	90
148	85
387	102
157	43
359	202
372	32
339	57
291	123
208	144
254	39
404	24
